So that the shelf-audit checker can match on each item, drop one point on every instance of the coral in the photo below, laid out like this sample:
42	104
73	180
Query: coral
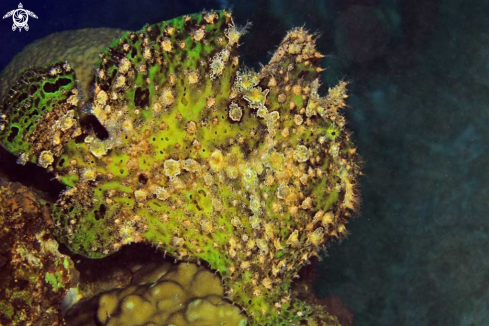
252	172
80	48
173	291
183	294
34	275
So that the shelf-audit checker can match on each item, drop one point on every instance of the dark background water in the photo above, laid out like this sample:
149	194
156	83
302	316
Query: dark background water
419	110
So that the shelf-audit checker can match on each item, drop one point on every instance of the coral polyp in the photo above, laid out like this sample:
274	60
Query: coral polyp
251	172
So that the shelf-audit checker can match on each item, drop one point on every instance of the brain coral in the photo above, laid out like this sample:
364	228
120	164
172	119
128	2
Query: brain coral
80	48
161	294
251	172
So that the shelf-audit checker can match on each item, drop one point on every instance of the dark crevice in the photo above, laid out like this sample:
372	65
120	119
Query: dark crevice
90	122
30	175
141	98
22	97
100	213
142	179
32	89
14	131
51	88
32	114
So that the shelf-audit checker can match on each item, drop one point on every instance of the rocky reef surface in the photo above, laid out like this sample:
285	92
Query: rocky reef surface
34	275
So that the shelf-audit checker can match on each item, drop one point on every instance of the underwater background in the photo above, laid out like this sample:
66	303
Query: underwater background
419	113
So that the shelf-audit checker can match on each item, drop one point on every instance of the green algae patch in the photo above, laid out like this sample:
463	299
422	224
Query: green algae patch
55	280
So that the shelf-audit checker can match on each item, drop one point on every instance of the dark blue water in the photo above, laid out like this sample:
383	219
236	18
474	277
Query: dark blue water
419	111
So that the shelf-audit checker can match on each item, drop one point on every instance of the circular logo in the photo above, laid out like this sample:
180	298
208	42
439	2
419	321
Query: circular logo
20	18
